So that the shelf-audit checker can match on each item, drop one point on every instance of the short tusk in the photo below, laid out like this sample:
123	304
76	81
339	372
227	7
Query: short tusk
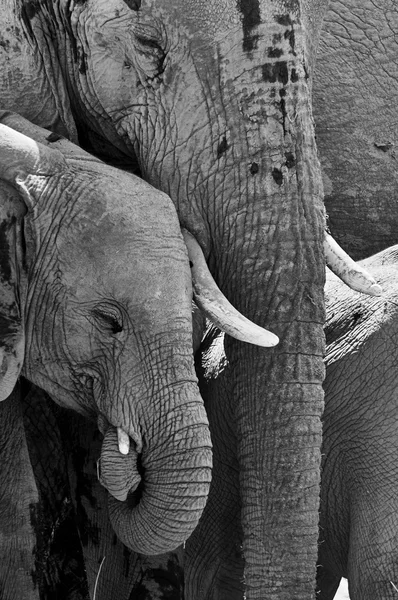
214	304
342	265
123	441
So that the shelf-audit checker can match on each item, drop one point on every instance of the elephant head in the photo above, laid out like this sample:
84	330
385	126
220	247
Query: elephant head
96	309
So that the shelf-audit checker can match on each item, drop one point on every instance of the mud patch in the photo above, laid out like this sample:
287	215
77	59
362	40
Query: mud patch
250	10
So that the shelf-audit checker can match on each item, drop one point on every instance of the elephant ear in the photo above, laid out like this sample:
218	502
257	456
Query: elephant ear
12	338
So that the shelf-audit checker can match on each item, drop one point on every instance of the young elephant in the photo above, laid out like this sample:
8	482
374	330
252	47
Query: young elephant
359	500
95	308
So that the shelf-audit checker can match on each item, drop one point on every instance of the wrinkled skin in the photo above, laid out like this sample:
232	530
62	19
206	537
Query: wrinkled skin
359	501
355	94
213	106
103	283
17	539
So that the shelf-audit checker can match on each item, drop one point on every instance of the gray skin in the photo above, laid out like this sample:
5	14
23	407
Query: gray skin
102	293
19	496
212	104
359	503
355	94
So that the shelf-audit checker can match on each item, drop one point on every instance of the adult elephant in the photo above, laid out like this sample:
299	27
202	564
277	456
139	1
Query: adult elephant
355	93
95	295
212	104
359	503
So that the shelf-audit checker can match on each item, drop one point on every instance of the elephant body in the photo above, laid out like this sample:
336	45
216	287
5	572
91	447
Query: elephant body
355	92
213	106
359	504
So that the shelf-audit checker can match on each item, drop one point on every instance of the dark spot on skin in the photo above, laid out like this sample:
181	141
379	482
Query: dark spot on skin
5	44
289	35
283	20
275	72
54	137
250	10
274	52
28	11
282	104
82	64
8	329
293	76
222	147
356	316
278	176
254	168
30	8
133	4
290	160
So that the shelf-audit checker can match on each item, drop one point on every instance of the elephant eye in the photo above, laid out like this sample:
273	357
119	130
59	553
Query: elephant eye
150	53
109	316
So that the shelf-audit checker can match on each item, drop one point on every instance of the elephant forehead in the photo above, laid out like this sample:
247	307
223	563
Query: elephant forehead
119	258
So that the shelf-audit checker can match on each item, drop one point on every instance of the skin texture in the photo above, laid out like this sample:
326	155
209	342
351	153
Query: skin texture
359	505
87	272
213	107
17	504
355	93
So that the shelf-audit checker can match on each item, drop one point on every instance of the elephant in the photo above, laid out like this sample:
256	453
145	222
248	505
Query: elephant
355	91
212	105
95	299
359	506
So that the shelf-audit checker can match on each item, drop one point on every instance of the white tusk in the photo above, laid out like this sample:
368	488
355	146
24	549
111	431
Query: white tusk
214	304
123	441
342	265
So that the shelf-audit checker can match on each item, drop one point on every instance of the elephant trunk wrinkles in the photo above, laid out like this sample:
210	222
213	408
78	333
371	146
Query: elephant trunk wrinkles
279	399
175	467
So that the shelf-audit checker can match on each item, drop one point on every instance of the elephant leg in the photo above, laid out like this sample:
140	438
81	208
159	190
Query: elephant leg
58	549
18	506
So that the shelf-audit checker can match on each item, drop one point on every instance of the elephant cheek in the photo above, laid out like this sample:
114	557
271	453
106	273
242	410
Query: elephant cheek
118	473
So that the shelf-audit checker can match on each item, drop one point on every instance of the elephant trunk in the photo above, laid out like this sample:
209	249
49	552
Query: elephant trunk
175	472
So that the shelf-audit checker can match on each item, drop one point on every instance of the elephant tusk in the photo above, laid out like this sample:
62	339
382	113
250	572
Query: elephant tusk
214	304
123	441
342	265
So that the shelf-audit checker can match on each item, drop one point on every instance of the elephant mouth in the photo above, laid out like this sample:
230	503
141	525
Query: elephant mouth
119	468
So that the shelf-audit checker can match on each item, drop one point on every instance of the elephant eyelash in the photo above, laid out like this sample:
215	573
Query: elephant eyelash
111	317
150	47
